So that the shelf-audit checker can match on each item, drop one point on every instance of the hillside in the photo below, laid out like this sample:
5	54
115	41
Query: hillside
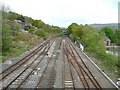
113	25
22	33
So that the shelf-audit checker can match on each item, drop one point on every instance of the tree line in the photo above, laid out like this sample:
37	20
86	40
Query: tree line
93	41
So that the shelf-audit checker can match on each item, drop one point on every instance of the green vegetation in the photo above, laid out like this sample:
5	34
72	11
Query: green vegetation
110	33
93	41
41	33
21	33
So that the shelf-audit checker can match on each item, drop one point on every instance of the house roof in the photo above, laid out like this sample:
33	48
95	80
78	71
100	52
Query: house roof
106	39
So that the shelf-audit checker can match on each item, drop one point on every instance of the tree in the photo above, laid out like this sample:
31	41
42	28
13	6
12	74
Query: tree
21	18
75	30
38	23
109	33
72	26
92	40
12	16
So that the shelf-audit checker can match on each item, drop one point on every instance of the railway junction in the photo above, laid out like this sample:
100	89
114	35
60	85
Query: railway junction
55	63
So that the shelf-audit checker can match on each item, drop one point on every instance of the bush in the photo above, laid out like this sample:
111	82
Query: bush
40	32
6	38
92	40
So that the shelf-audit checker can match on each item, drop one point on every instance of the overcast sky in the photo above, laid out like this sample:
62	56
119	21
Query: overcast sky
64	12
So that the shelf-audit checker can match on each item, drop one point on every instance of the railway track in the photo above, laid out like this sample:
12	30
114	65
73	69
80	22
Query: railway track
87	71
25	71
55	63
9	70
47	79
86	77
68	76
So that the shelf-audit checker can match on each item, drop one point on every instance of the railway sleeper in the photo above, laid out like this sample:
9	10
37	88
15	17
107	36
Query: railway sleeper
69	84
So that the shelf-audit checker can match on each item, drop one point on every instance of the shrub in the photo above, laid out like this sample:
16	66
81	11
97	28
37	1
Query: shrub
6	38
40	32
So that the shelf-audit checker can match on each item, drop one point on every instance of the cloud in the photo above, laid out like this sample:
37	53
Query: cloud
64	12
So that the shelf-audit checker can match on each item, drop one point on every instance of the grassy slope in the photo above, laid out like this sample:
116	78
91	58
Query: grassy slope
22	43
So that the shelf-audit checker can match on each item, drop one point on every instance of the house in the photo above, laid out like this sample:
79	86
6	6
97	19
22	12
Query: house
107	41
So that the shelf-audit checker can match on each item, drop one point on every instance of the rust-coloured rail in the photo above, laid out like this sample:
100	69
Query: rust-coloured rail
47	45
79	72
21	62
94	81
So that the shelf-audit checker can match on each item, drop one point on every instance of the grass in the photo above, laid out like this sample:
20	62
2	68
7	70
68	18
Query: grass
107	62
22	43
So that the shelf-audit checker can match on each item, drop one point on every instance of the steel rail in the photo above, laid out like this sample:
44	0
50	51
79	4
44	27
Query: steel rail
66	54
95	82
53	71
37	86
47	47
84	81
25	70
21	62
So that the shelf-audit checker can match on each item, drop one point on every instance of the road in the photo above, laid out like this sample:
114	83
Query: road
55	63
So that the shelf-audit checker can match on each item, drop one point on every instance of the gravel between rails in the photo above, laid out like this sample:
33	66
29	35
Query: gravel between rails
57	69
101	78
25	70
